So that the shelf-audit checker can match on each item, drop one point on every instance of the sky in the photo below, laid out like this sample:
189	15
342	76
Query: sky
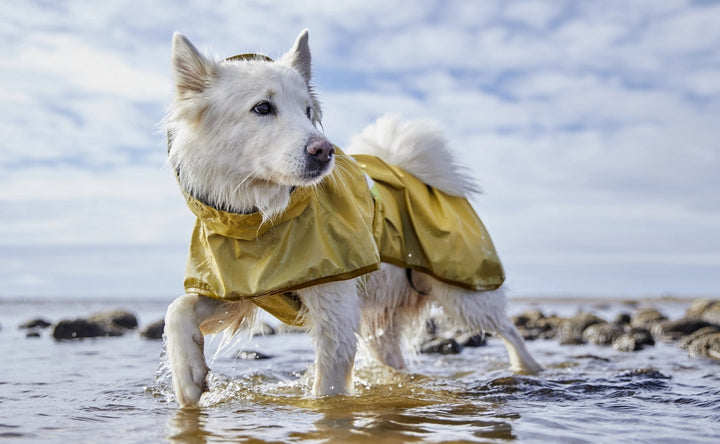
592	127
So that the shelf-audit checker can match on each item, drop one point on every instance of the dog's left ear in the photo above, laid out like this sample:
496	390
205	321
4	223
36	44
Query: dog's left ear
299	57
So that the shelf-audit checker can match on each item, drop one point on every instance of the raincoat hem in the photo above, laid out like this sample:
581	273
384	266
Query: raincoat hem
461	284
206	290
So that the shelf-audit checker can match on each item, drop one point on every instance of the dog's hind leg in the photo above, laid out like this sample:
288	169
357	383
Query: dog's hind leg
187	320
332	314
382	336
485	311
391	308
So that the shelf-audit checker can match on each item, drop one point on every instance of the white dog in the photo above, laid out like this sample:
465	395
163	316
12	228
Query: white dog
244	142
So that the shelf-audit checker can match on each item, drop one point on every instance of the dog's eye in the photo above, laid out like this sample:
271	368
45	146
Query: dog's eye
264	108
308	113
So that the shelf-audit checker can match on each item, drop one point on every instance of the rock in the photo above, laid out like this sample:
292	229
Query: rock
445	346
622	319
107	323
534	324
705	309
703	342
550	326
578	323
571	330
154	330
35	324
626	343
603	334
32	334
698	306
251	355
642	336
82	328
529	317
646	318
685	342
568	338
674	330
634	340
471	340
115	319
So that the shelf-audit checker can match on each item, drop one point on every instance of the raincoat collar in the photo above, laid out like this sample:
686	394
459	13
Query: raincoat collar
246	226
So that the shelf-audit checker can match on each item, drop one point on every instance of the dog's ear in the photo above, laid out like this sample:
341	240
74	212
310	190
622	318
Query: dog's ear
299	57
192	70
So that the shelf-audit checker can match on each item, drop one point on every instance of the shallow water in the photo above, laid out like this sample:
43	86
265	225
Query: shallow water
102	390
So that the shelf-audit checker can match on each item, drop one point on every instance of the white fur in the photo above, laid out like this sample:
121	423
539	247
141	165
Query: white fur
233	158
224	152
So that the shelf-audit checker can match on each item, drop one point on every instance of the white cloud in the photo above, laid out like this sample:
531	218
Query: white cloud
591	126
75	206
65	58
686	31
703	82
537	14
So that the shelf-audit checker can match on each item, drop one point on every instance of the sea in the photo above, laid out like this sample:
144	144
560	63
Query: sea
117	389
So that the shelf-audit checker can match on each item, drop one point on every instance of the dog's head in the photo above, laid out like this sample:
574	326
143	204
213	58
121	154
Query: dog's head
243	131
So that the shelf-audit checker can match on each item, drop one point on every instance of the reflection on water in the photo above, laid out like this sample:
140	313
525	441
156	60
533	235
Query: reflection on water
389	406
188	426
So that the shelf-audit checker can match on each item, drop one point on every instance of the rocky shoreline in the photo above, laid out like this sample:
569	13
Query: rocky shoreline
698	331
110	323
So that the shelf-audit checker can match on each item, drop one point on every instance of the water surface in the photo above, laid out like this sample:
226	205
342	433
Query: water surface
109	389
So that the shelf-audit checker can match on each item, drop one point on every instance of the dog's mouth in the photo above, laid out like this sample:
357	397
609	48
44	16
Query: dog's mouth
315	170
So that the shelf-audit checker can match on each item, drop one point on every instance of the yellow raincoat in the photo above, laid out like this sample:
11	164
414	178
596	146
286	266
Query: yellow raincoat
419	227
339	230
324	235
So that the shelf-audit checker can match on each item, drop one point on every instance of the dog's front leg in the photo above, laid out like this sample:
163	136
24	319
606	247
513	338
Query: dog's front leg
333	316
185	344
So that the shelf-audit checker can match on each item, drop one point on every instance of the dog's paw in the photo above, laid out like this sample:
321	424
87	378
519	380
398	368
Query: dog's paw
189	390
189	372
186	356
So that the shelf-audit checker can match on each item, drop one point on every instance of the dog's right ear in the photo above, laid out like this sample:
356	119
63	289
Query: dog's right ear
299	57
192	70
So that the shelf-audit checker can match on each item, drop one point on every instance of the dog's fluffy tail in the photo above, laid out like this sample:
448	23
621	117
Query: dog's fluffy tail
418	147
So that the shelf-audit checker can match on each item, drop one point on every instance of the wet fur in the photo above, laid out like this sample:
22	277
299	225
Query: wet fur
235	159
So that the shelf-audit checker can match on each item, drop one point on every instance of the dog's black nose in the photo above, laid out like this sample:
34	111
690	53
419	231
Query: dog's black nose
320	149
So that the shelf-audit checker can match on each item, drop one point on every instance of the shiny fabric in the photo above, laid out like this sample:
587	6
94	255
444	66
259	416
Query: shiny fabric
340	230
419	227
324	235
